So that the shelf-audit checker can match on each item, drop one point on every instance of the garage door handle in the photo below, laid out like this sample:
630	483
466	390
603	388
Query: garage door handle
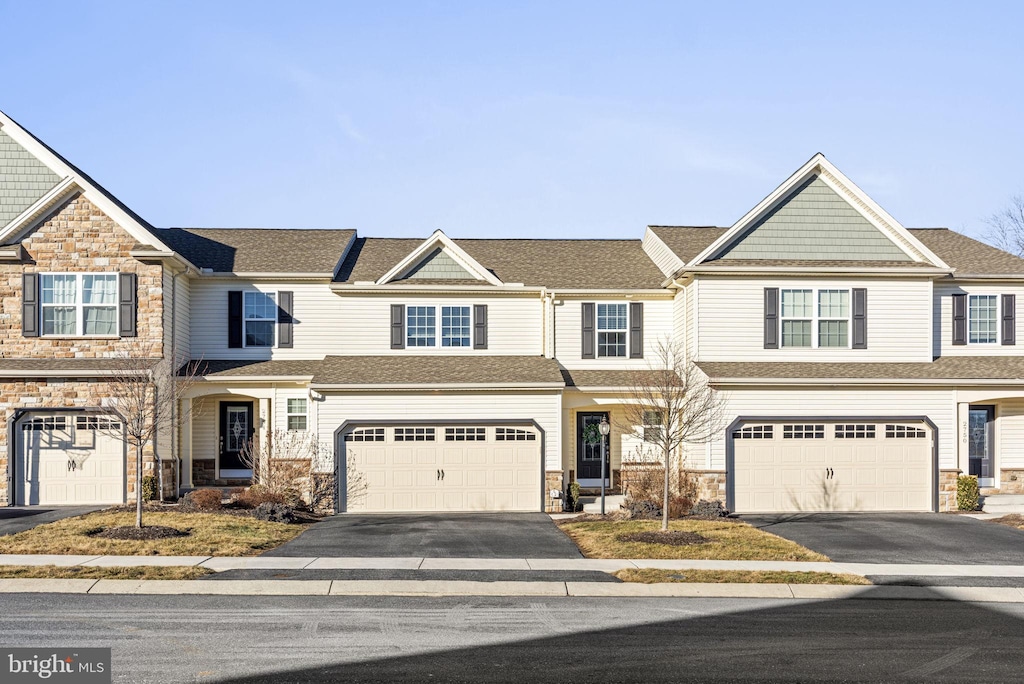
442	475
438	475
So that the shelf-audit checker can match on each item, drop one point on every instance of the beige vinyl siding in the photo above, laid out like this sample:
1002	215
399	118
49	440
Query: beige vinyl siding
330	324
663	257
836	402
204	425
543	407
182	315
679	326
658	324
1010	434
731	326
942	338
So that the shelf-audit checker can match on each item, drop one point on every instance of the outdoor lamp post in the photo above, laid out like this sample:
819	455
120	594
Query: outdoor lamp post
605	428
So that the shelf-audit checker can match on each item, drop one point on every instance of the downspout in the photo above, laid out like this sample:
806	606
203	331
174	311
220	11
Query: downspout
548	343
174	404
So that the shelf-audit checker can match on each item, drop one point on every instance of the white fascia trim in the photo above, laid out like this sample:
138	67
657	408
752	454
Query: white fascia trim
625	294
838	383
453	386
597	389
234	379
60	191
980	276
48	158
454	251
838	181
651	236
824	270
391	289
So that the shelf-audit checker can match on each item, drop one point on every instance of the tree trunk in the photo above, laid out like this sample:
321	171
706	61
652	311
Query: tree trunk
138	486
664	508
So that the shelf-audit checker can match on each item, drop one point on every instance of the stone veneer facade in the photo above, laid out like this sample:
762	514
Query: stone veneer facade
947	489
76	237
1011	481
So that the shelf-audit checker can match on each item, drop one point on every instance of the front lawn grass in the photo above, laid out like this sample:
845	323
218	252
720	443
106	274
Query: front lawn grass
652	576
123	573
211	534
728	540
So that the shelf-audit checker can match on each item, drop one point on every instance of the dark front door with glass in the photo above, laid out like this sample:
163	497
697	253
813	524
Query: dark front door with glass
980	441
236	429
588	449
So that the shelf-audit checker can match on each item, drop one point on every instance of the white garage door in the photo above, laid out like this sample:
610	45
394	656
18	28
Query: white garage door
442	468
829	466
70	459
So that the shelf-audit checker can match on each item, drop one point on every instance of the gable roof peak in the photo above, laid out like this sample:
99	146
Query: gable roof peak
438	241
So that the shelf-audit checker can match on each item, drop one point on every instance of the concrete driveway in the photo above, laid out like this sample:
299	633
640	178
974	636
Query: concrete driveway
898	537
433	535
15	519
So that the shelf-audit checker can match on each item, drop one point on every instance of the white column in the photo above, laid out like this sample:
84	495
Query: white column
962	435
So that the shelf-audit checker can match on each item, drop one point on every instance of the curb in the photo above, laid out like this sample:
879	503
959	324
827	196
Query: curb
539	589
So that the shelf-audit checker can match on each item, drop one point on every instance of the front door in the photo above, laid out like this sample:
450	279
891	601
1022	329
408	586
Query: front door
980	440
588	449
236	430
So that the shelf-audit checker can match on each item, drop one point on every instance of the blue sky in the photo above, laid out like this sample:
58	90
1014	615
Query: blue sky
518	119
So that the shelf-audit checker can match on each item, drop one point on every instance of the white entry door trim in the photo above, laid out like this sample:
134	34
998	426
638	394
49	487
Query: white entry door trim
829	421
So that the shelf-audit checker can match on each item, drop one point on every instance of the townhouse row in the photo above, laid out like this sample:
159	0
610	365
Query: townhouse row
862	365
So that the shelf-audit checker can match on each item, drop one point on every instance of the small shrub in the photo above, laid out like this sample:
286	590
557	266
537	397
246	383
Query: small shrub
572	497
201	500
967	494
274	512
709	509
679	506
254	497
149	487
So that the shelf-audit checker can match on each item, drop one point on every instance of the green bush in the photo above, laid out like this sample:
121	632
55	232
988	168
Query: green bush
572	497
967	494
149	488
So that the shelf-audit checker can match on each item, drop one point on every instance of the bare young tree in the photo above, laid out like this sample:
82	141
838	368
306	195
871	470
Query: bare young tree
146	392
671	406
1006	227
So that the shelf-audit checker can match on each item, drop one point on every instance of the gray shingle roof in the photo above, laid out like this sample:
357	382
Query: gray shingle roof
967	255
259	250
397	370
688	241
576	264
942	368
602	378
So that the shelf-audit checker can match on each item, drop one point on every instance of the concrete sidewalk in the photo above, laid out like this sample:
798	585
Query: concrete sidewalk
221	564
518	589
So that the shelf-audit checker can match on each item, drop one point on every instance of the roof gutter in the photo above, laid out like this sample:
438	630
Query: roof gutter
817	270
760	382
255	378
452	386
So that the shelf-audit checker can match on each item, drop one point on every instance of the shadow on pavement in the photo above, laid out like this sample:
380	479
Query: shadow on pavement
851	640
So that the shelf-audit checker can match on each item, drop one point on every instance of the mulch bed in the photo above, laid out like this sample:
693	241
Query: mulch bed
147	532
670	538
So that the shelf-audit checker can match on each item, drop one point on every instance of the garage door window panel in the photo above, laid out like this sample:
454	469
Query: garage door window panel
465	434
904	432
855	431
366	435
755	432
802	431
513	435
418	434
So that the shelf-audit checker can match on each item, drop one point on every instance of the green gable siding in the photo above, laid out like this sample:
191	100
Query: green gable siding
439	266
814	223
23	179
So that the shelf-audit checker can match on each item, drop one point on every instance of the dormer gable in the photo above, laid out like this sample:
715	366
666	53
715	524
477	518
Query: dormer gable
818	214
439	258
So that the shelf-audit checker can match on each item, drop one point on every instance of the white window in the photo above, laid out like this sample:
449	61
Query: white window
78	304
612	328
455	326
297	414
816	322
421	326
260	318
982	325
652	426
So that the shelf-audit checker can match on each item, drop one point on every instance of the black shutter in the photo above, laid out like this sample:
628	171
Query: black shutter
479	326
588	330
860	318
235	319
771	318
30	305
636	330
398	326
128	304
959	319
285	322
1009	319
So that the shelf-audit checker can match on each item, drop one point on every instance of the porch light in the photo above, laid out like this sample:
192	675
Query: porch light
604	428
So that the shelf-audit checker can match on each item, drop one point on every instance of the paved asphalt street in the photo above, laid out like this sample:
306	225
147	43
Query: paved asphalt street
307	639
15	519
